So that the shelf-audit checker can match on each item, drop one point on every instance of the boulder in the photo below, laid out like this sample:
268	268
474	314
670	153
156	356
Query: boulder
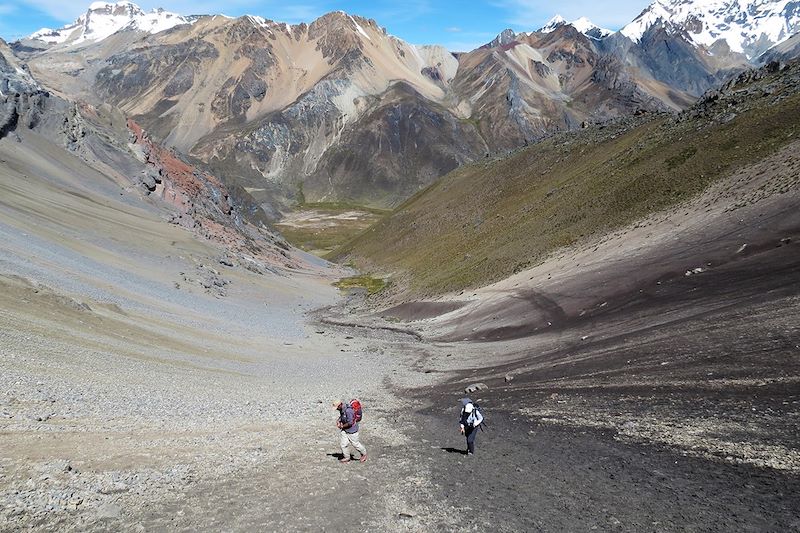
148	181
475	387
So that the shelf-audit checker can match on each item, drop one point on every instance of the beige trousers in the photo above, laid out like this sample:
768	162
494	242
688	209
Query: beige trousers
346	439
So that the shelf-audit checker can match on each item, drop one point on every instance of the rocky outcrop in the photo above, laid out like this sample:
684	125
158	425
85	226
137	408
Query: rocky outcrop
178	183
21	109
401	144
22	100
669	58
202	203
774	82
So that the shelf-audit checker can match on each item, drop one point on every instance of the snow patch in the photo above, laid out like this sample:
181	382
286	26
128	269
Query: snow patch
359	28
586	26
553	23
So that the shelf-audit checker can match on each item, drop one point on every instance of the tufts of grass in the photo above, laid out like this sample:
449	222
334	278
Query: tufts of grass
370	284
319	241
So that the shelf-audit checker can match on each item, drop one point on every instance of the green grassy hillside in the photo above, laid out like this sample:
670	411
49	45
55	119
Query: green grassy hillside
489	220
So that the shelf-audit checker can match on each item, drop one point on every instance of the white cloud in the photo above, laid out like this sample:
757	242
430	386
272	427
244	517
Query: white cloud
532	14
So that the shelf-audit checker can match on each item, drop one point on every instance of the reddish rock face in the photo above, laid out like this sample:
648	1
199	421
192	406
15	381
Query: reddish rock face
203	205
181	184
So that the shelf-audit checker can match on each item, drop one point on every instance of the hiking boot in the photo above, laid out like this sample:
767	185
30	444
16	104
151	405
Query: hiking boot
363	458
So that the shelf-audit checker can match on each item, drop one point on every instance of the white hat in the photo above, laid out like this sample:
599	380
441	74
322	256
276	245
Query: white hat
468	408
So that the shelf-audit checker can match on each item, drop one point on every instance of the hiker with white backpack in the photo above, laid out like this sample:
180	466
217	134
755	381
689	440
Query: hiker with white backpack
350	415
470	419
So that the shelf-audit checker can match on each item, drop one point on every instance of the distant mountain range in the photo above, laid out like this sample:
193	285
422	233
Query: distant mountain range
338	110
750	27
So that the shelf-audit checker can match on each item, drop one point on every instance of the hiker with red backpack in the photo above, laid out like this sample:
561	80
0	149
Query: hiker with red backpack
469	420
350	415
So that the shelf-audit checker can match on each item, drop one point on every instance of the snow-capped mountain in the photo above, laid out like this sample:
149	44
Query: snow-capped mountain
747	26
583	25
103	19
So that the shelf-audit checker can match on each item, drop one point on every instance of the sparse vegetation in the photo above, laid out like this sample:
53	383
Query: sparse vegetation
320	228
484	221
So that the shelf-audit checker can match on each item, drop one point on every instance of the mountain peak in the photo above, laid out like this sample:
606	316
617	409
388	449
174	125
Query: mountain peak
505	37
103	19
555	22
583	25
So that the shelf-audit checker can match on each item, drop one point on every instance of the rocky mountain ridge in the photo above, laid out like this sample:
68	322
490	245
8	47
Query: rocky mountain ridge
749	27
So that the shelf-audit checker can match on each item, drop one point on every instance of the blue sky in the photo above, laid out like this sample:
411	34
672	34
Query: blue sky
457	24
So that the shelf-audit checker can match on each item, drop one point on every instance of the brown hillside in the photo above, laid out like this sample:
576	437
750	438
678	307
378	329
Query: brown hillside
489	220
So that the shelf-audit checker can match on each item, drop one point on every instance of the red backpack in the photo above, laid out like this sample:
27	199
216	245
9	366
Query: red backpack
358	413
